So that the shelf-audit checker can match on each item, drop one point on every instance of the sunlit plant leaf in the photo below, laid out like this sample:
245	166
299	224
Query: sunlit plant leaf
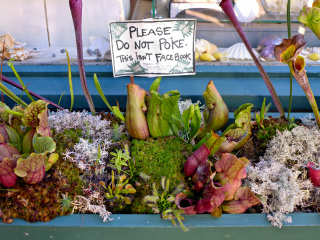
243	199
7	176
230	171
31	168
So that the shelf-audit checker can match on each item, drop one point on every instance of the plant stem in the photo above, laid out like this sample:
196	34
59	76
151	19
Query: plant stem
76	12
7	80
228	10
290	97
4	41
12	112
289	36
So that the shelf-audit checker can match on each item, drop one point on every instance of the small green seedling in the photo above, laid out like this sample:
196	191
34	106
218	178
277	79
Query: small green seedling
115	132
259	116
117	191
120	159
164	203
66	202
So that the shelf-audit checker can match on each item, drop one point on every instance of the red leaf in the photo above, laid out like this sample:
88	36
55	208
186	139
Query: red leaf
202	174
185	204
7	176
198	158
231	170
204	205
314	174
243	199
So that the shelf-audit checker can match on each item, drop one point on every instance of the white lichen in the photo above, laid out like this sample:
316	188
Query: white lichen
298	146
279	188
96	133
185	104
85	154
280	178
93	204
92	126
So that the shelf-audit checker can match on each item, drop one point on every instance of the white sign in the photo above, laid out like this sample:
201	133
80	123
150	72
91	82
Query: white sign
153	48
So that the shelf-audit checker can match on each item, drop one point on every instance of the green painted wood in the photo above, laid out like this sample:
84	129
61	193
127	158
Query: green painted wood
236	84
140	227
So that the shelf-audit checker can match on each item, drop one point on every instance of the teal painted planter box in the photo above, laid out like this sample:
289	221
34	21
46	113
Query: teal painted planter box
152	227
236	84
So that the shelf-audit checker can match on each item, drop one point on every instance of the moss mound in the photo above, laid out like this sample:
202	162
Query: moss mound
154	159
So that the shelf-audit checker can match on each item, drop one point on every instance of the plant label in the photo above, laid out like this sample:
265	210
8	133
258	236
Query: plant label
153	48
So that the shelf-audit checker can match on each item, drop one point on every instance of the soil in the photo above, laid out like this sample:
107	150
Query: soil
257	144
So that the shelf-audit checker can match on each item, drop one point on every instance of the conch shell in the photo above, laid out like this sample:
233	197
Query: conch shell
203	46
12	48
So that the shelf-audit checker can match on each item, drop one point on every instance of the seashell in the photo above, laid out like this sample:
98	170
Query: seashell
314	56
203	46
217	55
238	51
196	55
269	40
13	48
313	49
9	42
19	44
17	53
266	47
207	57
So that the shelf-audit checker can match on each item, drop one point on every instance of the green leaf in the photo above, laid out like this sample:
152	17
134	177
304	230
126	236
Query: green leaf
115	110
158	125
27	141
214	142
11	95
155	85
4	116
61	98
170	108
70	82
14	137
310	17
53	158
31	168
186	116
263	109
241	108
195	121
242	120
44	144
30	118
20	80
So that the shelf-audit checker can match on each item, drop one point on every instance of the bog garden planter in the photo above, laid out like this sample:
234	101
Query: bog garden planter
88	226
236	84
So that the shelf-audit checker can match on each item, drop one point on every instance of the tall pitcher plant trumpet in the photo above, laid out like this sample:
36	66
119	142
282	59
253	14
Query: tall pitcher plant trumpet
288	52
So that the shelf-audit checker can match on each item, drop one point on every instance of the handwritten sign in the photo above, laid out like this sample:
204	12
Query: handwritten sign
153	48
